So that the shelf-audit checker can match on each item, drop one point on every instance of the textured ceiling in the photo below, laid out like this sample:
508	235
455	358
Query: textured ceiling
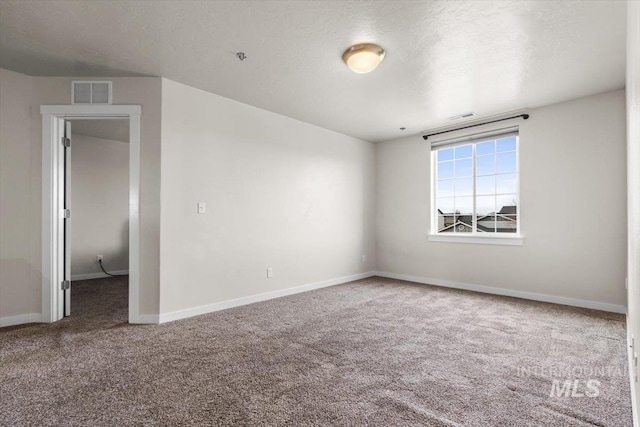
114	130
443	57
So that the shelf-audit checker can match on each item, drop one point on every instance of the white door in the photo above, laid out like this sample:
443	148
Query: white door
67	218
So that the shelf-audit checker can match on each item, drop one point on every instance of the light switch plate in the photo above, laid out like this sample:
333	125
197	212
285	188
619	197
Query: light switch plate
202	207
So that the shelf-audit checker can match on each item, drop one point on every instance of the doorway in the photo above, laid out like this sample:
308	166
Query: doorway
57	123
97	230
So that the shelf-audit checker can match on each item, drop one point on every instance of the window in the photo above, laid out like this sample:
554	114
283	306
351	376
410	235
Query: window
476	190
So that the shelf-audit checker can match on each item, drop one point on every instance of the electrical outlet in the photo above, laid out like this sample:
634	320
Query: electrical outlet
364	258
269	273
100	257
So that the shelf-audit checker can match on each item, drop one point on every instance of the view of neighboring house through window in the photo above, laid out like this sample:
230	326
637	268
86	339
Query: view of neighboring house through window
476	186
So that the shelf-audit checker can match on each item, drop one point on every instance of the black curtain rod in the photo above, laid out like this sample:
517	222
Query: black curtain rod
524	116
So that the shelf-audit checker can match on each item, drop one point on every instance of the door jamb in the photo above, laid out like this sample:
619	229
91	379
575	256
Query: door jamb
52	212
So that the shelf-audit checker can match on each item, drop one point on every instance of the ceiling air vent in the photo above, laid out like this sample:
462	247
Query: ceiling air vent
462	116
91	92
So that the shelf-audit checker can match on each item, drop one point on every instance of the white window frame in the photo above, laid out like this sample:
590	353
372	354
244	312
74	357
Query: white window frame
509	239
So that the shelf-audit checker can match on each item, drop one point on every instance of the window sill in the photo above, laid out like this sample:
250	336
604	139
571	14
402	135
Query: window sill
515	240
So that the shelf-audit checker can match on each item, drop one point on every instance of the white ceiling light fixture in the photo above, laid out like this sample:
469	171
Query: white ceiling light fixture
364	57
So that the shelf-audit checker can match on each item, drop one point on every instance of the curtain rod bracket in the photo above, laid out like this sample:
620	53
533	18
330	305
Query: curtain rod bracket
524	116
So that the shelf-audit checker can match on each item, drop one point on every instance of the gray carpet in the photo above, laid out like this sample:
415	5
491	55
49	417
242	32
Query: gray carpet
372	352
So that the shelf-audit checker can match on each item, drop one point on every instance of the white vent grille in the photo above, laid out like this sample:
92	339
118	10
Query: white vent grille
462	116
81	93
91	92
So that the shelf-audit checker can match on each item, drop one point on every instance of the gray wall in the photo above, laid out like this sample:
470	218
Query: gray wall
99	204
573	208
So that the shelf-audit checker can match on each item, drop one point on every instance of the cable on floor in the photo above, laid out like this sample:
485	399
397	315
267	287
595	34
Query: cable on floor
105	272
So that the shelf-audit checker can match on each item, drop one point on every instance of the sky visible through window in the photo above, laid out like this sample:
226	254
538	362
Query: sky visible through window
495	182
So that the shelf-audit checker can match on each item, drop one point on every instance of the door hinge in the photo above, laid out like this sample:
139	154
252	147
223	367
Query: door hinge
65	284
66	213
66	142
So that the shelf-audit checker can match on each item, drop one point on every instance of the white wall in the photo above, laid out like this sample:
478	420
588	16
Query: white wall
99	204
280	193
633	165
18	272
21	239
573	209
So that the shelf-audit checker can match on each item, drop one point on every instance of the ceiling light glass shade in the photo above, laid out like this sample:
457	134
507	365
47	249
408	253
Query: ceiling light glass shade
363	58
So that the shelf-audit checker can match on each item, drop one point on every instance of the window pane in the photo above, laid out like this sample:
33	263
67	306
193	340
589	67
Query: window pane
445	170
485	165
511	217
485	218
445	205
507	204
506	183
446	217
464	187
463	151
504	226
485	205
445	188
445	154
505	162
463	168
464	205
486	184
506	221
486	223
488	147
463	226
507	144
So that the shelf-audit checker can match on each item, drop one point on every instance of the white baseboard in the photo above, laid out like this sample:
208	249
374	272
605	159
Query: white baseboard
634	406
147	319
99	275
196	311
604	306
20	319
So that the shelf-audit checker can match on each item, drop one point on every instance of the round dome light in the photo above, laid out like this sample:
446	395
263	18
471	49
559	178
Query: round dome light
363	58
